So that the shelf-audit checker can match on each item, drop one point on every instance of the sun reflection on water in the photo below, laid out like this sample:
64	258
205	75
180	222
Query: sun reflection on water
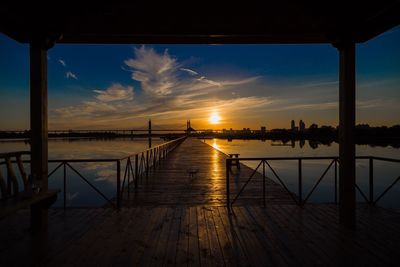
215	145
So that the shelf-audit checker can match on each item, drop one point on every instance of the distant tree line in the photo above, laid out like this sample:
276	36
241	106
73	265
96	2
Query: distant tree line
364	134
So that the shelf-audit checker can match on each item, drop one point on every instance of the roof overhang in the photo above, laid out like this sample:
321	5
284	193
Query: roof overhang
283	21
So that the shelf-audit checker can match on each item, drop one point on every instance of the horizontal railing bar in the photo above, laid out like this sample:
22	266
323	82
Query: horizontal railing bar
228	159
386	159
160	145
281	158
311	158
69	160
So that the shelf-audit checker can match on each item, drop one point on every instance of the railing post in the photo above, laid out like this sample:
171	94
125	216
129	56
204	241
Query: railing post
264	182
300	184
129	173
118	184
147	163
154	159
335	181
371	181
65	185
136	170
228	200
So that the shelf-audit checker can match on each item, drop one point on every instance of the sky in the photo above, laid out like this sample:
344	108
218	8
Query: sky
215	86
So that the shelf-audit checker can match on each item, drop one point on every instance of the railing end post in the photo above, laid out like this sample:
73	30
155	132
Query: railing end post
118	184
228	201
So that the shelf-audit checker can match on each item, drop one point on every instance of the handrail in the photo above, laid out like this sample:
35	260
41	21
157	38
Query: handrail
371	200
180	139
143	161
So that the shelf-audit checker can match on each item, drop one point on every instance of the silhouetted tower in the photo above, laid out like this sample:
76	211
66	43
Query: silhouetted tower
149	133
263	130
302	126
293	125
189	129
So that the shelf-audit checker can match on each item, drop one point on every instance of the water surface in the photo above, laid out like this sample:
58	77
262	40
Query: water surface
103	175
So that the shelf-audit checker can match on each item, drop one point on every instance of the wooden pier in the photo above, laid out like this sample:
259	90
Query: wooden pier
172	184
175	218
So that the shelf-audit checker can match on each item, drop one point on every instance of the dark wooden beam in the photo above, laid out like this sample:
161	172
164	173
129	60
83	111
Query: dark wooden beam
38	110
285	21
347	106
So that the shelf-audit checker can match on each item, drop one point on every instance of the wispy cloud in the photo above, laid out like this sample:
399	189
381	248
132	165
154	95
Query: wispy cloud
62	62
203	79
156	73
70	75
115	92
191	72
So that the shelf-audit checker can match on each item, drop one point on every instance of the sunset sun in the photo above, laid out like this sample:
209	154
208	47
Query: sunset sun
214	118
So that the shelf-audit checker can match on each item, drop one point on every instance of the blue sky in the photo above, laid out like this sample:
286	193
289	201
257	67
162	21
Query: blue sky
122	86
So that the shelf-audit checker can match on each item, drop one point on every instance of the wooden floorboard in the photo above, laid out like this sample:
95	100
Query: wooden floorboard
249	235
171	220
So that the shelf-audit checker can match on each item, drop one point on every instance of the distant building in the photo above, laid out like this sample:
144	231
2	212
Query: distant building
293	125
246	131
302	126
263	130
362	126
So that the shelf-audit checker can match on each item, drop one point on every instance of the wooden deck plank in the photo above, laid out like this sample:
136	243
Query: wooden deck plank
156	239
193	256
204	245
213	239
173	238
182	246
232	253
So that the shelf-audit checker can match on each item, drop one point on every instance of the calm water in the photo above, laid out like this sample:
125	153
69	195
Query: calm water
103	175
384	172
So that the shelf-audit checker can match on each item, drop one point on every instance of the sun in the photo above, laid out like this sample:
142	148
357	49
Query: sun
214	118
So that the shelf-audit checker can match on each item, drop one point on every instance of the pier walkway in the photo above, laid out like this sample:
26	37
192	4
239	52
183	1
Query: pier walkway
172	184
175	219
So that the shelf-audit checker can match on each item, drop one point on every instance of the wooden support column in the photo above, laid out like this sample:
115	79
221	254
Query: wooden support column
38	113
347	115
38	120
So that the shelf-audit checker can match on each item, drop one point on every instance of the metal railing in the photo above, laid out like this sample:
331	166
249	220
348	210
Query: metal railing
142	162
298	199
